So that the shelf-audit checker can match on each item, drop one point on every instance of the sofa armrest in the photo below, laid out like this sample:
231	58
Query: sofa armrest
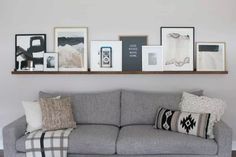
11	133
223	137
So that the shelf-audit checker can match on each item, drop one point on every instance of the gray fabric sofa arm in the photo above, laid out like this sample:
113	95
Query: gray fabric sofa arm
223	137
11	133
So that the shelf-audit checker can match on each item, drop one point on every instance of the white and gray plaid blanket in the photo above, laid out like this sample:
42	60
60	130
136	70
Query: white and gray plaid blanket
47	144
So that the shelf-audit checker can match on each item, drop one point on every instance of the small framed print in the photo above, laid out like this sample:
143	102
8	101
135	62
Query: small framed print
178	47
50	62
132	52
211	56
106	56
71	46
29	51
152	58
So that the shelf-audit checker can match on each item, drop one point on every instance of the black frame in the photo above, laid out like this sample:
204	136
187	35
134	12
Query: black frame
16	35
194	55
132	36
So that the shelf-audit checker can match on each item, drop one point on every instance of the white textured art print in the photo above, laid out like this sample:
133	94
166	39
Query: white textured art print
211	56
178	48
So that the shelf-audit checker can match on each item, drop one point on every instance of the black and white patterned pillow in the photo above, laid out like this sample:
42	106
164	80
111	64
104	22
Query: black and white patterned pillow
183	122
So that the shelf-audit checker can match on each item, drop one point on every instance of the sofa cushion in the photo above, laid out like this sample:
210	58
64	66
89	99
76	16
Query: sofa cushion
93	108
143	139
140	107
87	139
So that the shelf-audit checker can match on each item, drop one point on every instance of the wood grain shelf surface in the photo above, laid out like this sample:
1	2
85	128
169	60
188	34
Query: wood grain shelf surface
113	72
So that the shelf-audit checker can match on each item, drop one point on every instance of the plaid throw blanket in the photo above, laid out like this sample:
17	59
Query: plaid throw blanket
47	144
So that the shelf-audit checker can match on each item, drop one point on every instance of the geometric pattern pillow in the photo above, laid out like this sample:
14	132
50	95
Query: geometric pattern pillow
57	114
183	122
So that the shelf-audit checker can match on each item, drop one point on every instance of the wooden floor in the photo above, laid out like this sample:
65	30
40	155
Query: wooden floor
233	154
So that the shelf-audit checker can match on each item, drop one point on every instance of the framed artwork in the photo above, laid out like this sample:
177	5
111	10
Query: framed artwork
178	48
71	46
132	52
50	62
106	56
211	56
29	51
152	58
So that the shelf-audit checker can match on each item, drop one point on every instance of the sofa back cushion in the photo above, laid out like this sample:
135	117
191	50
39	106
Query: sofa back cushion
93	108
140	107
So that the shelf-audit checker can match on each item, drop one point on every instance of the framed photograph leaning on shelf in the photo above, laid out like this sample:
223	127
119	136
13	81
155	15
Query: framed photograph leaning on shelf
71	46
132	52
106	56
29	50
211	56
152	58
50	61
178	48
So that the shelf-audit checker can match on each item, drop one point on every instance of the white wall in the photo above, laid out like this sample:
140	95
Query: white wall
107	19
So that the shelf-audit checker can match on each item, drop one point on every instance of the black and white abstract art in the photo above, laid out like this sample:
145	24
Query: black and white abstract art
29	51
178	47
71	46
211	56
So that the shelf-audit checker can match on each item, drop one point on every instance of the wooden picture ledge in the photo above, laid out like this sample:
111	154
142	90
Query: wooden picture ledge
114	72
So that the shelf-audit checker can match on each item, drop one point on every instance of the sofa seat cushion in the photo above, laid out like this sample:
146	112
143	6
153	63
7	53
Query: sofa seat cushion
144	139
87	139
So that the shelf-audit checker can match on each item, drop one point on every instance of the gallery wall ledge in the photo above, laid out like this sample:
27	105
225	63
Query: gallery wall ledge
114	72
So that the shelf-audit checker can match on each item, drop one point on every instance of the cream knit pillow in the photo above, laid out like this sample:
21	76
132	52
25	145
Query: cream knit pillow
203	104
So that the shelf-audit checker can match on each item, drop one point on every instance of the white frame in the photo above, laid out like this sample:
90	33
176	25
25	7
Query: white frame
116	55
181	63
73	29
202	68
46	55
158	50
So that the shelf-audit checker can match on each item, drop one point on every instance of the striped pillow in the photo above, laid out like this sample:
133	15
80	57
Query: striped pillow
183	122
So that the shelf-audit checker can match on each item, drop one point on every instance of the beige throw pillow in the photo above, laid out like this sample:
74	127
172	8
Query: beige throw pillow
57	114
203	104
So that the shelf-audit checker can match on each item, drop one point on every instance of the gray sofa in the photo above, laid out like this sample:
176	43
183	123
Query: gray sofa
119	123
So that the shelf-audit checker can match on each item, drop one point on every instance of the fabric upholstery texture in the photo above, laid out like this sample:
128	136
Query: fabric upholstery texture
140	107
117	155
93	108
184	122
223	137
87	139
143	139
56	114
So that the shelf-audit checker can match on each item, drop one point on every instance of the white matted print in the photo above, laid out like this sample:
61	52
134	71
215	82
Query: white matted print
50	62
152	58
71	45
178	46
106	56
211	56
